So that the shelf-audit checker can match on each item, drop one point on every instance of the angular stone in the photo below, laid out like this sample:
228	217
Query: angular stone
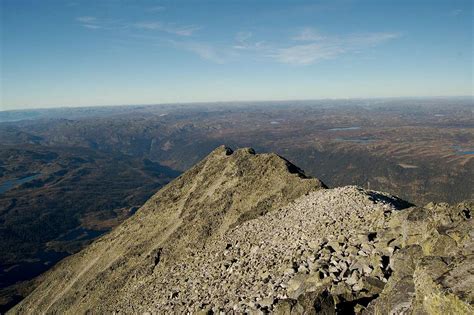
353	279
334	245
302	269
266	302
373	285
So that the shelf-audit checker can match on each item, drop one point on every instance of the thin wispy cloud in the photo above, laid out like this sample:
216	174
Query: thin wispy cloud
314	46
149	25
365	40
455	12
170	28
86	19
242	37
243	41
91	26
308	34
307	54
306	47
181	30
90	22
326	47
219	55
157	8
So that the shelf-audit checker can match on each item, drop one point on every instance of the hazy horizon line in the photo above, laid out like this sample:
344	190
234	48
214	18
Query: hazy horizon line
52	107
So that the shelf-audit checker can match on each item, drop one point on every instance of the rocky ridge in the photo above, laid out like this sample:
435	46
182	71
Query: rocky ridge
323	238
222	191
249	233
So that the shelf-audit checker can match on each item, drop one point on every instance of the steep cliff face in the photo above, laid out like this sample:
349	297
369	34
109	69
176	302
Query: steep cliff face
243	232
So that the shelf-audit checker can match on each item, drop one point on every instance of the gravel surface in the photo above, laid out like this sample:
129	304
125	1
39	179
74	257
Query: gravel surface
319	236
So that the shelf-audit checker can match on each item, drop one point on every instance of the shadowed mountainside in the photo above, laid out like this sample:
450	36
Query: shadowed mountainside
69	197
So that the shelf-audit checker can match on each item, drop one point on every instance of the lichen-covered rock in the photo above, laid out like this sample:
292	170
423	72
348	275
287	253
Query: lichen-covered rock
432	275
434	296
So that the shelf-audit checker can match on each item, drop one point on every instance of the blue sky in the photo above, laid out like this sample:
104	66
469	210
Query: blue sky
81	53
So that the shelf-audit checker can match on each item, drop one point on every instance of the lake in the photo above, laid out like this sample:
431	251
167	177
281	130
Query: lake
357	140
26	270
9	184
344	128
462	151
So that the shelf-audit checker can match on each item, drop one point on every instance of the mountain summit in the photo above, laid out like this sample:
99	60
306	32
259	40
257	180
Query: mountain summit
244	232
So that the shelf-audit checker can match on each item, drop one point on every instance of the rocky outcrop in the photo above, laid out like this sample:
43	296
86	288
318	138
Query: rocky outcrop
432	267
249	233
